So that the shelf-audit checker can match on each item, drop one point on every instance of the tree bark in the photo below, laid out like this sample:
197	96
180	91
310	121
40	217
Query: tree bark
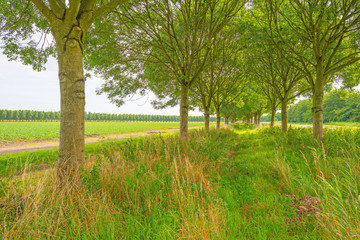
207	119
284	126
273	113
317	111
256	118
218	119
184	111
226	121
259	118
72	92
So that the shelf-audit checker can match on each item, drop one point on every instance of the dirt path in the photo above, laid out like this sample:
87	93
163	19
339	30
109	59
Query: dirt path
31	145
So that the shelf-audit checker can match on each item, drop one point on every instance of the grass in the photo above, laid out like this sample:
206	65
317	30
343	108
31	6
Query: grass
252	184
14	163
17	131
330	124
153	188
344	124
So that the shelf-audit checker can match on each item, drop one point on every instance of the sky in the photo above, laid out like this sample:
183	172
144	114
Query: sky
22	88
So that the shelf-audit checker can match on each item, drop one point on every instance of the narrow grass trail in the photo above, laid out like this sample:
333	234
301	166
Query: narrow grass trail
259	200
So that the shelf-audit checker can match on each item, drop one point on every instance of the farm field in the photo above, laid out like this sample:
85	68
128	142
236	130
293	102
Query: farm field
18	131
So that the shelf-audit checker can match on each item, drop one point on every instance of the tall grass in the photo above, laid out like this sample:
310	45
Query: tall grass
257	184
329	170
153	188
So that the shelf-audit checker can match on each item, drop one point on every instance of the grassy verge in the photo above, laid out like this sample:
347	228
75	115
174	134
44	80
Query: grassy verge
256	184
291	186
14	163
151	188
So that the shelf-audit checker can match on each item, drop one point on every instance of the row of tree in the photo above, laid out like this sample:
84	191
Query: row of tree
30	115
237	59
339	106
299	48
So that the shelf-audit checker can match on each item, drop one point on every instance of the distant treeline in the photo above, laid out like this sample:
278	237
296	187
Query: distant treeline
30	115
339	106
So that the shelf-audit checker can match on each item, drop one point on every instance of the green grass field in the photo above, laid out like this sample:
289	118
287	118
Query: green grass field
244	184
47	130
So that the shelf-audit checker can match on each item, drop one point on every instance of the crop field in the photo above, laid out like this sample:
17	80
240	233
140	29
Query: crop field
18	131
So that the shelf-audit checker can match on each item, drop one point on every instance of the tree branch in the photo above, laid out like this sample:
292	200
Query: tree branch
71	14
57	9
108	8
87	5
41	6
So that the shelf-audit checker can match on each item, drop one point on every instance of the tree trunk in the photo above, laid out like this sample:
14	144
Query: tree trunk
317	111
273	113
284	114
259	118
184	111
226	121
256	118
218	119
72	92
207	119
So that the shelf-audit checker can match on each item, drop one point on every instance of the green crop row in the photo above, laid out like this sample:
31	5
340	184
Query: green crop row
47	130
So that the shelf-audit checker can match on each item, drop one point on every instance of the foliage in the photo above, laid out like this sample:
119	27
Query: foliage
339	106
162	46
243	126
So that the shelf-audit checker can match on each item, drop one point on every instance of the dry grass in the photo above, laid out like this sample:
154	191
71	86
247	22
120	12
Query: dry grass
156	188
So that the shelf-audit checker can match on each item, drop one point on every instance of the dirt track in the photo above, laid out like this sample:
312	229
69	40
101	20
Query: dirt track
31	145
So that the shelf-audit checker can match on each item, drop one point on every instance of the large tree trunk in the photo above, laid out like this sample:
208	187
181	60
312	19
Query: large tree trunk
284	126
184	111
207	119
218	119
273	113
72	86
317	111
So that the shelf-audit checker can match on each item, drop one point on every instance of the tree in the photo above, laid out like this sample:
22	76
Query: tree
68	22
222	74
173	37
15	115
9	115
334	101
319	40
283	79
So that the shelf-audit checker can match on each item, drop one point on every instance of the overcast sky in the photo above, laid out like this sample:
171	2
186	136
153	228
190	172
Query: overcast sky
22	88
